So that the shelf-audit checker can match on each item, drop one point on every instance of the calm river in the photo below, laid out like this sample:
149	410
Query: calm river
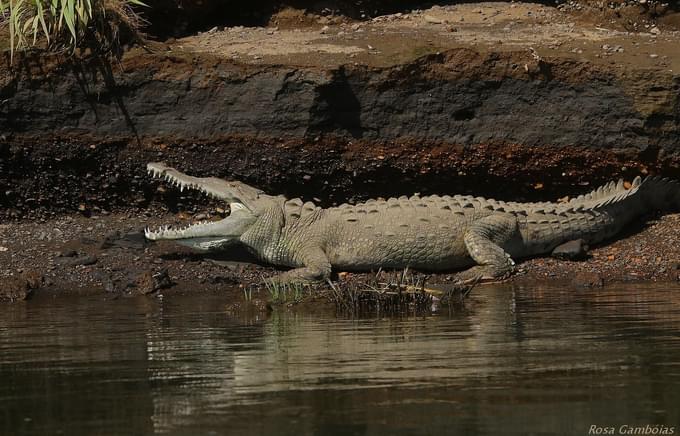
514	360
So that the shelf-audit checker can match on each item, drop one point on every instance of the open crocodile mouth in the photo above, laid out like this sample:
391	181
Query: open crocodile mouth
205	232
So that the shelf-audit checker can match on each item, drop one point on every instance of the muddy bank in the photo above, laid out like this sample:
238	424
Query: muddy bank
108	255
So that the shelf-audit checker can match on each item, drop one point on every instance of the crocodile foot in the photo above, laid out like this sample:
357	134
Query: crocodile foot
484	273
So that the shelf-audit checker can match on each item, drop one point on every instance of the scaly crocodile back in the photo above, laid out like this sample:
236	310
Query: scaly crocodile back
652	193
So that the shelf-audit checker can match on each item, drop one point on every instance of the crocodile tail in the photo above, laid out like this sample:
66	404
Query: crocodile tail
660	193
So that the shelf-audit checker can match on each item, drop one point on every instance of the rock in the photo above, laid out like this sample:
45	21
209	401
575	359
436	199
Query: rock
432	20
219	279
107	281
588	280
80	260
149	282
132	240
21	287
68	253
572	250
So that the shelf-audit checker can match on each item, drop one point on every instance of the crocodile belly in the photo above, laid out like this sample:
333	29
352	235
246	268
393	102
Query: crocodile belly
433	253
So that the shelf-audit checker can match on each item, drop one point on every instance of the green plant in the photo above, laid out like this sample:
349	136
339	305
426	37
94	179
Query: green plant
67	24
248	293
285	292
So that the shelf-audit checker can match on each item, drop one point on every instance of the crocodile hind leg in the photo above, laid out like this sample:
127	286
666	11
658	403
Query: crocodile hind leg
483	240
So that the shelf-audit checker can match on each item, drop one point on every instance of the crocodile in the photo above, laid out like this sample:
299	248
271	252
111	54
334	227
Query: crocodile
431	233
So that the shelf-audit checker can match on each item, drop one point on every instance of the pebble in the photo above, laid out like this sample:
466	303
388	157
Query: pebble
572	250
77	261
432	20
68	253
148	282
588	280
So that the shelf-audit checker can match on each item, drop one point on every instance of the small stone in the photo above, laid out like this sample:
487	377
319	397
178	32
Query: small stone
572	250
653	55
149	282
3	249
588	280
21	287
132	240
324	30
82	260
432	20
201	217
68	253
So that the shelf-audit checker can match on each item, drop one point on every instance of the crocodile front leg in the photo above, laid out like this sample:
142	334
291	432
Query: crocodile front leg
483	240
316	267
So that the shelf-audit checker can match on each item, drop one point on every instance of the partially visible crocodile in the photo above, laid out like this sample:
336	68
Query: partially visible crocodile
435	233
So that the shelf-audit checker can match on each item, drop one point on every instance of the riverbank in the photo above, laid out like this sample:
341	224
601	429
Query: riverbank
515	101
108	255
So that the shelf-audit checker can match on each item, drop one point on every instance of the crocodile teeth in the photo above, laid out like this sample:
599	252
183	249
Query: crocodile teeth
177	183
156	174
165	232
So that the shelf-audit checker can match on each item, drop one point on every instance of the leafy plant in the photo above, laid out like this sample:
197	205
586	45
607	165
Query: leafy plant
67	24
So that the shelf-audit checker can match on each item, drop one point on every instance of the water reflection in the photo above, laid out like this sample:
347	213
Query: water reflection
515	360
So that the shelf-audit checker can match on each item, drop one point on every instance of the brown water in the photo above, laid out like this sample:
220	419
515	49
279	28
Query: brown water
514	361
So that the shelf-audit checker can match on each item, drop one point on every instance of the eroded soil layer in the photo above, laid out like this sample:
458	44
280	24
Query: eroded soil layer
497	99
